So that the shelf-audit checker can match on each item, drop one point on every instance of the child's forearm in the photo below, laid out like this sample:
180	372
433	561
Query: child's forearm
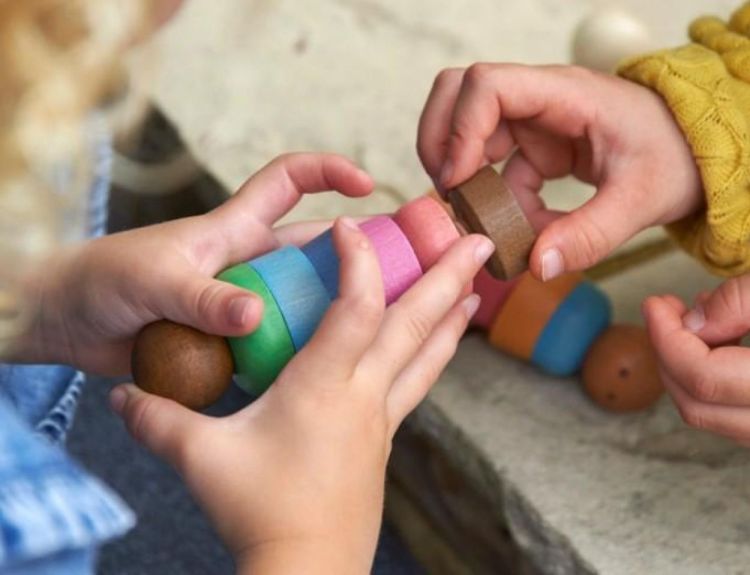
42	337
309	557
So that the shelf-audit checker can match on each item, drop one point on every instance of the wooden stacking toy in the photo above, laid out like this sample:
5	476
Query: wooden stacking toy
553	325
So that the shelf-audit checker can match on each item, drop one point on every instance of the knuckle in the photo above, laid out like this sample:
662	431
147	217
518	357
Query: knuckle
368	309
733	300
418	326
139	416
693	416
206	298
590	242
446	76
702	388
478	73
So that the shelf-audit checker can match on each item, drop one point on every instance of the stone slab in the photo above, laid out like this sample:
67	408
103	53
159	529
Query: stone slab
584	491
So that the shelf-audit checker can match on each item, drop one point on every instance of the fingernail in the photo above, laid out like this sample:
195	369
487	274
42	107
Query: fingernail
695	319
349	223
484	250
117	398
239	310
552	264
471	305
446	173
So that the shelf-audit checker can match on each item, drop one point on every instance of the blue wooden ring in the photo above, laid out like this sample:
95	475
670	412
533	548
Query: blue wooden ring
297	289
322	255
571	331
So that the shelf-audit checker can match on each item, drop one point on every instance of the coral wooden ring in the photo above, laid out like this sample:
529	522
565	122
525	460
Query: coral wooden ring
429	229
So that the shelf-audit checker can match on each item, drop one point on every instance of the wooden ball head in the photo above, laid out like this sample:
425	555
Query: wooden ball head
621	372
182	363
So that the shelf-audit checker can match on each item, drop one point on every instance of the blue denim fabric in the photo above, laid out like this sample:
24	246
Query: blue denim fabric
52	514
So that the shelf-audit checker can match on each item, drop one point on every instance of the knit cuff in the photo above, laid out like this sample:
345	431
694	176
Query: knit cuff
711	103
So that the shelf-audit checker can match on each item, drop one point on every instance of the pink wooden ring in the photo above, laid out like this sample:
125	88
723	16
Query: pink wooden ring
493	292
429	228
399	266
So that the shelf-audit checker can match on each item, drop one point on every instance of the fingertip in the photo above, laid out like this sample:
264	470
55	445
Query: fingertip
118	397
243	313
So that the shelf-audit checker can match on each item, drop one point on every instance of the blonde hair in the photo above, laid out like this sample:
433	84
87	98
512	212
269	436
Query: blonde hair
59	60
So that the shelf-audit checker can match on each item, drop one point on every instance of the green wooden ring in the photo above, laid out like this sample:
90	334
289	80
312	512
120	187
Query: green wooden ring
259	356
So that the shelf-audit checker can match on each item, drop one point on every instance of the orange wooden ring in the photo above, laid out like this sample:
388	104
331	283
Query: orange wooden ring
527	311
428	227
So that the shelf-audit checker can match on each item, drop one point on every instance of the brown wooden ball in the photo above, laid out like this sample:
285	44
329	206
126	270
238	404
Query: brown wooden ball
620	372
182	363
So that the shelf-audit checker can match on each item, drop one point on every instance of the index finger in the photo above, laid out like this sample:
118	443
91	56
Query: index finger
715	376
554	97
276	188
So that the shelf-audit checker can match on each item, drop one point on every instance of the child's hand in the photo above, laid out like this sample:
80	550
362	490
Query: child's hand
553	121
703	367
94	299
294	482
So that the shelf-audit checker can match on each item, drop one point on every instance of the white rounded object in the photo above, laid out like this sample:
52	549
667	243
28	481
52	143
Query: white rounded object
607	36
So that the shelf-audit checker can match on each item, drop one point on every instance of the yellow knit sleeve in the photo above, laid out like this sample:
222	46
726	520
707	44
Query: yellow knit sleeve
706	84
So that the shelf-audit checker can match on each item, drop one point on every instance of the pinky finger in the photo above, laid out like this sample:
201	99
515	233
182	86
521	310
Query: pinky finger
417	378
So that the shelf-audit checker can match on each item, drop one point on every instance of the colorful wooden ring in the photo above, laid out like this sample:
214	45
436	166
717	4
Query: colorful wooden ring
429	229
297	289
443	204
572	329
322	255
527	311
399	266
485	205
259	356
494	293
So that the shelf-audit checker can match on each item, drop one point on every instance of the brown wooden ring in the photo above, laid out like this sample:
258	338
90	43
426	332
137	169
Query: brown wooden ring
485	205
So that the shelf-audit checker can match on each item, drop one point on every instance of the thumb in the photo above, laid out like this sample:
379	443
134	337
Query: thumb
724	315
583	237
210	305
164	426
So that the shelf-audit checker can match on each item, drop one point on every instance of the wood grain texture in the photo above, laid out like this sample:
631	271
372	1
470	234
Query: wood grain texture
298	290
260	355
527	311
399	266
321	252
429	229
485	205
181	363
621	372
569	334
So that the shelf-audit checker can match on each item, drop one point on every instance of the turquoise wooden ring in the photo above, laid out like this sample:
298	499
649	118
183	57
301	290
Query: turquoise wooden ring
574	326
259	356
298	290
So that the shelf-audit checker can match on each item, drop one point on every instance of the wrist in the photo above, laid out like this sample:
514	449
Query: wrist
42	335
313	557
